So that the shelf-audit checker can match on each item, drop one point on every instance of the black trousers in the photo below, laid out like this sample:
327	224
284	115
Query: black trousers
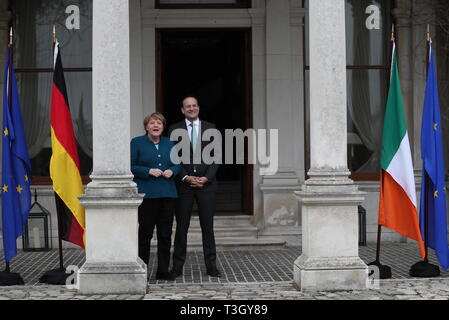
159	213
205	200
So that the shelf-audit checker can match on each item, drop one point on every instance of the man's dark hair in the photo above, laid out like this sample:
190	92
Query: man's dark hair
188	96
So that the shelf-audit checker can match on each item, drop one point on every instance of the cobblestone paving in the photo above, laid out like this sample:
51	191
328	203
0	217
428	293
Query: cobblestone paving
413	289
248	273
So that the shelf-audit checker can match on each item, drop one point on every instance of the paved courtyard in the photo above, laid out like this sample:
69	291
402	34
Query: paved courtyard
250	273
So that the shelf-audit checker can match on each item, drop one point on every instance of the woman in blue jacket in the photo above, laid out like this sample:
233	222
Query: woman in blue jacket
154	174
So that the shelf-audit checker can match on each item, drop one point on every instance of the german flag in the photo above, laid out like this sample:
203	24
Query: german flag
64	163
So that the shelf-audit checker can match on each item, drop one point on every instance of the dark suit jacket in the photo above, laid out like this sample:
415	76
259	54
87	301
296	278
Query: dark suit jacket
198	170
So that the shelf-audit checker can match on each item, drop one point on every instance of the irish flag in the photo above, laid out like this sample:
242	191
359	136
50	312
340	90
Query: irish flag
397	205
64	163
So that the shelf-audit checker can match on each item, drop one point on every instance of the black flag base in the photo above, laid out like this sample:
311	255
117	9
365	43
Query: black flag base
384	270
55	276
423	269
10	279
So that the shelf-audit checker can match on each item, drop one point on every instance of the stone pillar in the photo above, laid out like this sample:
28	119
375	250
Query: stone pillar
111	199
329	199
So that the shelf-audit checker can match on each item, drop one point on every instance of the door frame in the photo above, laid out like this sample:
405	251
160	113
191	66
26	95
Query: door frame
248	177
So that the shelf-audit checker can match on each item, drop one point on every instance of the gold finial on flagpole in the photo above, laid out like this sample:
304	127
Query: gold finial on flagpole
54	34
393	38
10	36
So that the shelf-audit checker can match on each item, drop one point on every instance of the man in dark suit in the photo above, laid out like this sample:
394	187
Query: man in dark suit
196	182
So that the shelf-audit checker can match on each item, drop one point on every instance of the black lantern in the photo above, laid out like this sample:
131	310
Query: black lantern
37	233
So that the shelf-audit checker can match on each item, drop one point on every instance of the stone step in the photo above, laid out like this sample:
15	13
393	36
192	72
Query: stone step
239	243
225	232
221	219
225	227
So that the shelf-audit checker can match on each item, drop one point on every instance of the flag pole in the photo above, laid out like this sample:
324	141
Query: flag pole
379	229
58	210
56	276
426	177
424	269
384	270
8	278
58	204
8	268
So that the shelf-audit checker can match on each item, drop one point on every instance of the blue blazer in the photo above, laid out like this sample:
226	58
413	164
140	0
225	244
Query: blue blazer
145	156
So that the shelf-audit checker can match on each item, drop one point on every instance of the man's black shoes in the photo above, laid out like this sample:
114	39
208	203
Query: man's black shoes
213	273
175	273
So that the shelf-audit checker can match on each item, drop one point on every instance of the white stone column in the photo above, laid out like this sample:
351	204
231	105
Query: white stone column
111	199
329	199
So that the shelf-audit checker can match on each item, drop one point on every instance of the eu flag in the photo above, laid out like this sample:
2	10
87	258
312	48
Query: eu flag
16	167
434	192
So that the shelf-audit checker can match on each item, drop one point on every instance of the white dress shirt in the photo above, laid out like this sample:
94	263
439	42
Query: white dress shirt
196	125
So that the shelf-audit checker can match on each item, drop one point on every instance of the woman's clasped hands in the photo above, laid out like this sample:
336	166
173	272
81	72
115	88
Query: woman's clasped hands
167	174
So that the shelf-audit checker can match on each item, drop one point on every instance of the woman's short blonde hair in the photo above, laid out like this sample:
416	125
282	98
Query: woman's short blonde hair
157	116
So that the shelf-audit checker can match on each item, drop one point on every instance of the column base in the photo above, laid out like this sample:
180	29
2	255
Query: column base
112	264
329	260
113	278
330	274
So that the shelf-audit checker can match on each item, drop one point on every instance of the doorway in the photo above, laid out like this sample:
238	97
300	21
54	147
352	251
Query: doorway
213	65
